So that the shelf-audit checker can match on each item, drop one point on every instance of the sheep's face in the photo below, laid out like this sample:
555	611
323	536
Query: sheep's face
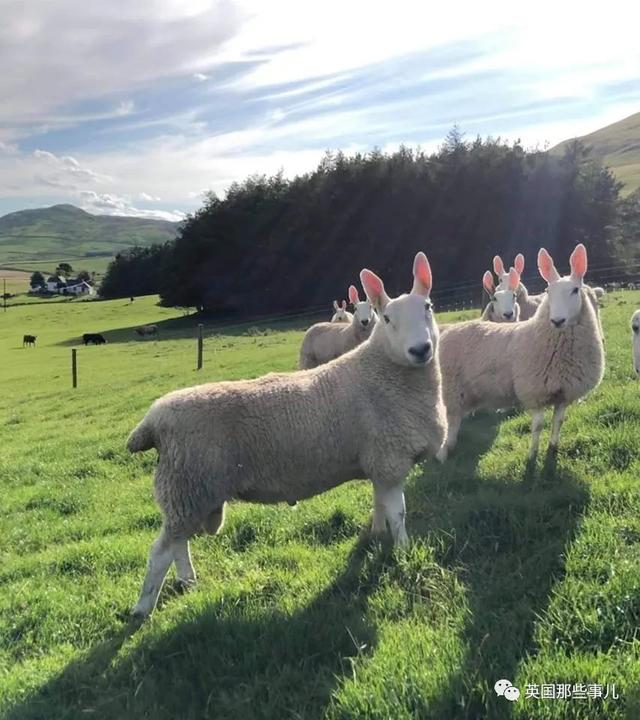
408	324
340	314
363	314
565	293
504	305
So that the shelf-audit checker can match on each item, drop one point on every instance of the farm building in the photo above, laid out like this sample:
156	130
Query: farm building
61	286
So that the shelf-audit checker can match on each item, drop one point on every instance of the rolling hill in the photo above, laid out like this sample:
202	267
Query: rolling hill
618	146
34	239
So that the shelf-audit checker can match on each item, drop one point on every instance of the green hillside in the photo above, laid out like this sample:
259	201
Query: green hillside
618	146
33	239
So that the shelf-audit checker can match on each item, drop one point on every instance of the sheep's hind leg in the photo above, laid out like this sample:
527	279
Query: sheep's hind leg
559	411
160	558
392	499
537	423
379	522
186	575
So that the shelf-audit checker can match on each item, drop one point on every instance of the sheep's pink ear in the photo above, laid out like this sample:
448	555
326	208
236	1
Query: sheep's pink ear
518	263
514	279
487	283
374	289
498	266
353	295
343	304
546	267
422	279
578	262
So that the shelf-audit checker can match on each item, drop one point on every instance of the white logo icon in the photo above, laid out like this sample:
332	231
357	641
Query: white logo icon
507	690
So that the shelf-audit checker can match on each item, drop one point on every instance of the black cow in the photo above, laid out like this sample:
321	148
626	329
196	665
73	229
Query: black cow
94	338
29	340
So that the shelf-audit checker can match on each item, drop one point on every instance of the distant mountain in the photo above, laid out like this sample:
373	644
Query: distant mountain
618	146
65	232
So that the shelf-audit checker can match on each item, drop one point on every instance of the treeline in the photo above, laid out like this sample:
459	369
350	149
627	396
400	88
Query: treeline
274	245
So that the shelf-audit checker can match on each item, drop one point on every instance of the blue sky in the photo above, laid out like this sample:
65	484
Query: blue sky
139	108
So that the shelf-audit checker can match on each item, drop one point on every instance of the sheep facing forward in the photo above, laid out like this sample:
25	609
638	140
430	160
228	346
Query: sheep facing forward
326	341
502	305
371	413
340	313
553	359
635	339
529	304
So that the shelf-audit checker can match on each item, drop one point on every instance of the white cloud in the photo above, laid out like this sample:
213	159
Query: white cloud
107	204
200	76
149	198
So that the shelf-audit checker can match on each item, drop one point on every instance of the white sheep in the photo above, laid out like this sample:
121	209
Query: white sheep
529	304
635	336
326	341
341	314
502	305
554	358
288	436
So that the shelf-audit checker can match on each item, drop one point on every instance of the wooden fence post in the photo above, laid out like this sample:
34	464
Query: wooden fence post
74	368
199	346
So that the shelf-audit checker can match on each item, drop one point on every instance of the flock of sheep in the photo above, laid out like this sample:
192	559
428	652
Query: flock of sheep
377	390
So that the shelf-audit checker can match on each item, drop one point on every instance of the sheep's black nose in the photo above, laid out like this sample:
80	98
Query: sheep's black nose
558	323
636	329
420	352
365	322
508	315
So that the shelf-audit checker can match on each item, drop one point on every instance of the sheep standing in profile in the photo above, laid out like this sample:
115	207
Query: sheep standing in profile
635	339
288	436
502	305
552	359
326	341
341	314
529	304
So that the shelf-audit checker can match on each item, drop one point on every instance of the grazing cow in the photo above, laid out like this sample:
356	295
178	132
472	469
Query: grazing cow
29	340
132	299
145	330
94	338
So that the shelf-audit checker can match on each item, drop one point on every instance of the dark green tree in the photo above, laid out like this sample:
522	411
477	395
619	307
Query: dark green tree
37	279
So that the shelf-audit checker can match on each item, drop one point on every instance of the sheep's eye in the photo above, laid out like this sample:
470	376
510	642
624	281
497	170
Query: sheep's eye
428	306
386	318
575	291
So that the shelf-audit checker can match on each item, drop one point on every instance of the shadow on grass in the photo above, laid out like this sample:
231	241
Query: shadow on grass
507	537
233	659
186	327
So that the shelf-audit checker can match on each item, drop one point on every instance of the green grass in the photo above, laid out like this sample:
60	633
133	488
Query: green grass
618	146
298	612
39	239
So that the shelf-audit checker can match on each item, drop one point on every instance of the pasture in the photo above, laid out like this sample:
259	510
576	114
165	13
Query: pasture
530	575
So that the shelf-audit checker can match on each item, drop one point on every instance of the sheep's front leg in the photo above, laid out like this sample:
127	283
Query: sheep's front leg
537	423
379	522
559	411
160	558
184	567
392	500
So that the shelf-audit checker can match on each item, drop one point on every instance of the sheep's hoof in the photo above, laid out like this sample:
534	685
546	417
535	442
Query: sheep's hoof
139	615
185	585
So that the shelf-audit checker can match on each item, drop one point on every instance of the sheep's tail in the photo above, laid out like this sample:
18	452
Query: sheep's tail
141	438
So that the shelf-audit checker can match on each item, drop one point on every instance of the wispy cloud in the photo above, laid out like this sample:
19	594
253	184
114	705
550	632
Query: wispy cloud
163	98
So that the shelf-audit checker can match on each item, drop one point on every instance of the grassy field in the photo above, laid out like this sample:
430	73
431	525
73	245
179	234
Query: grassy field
618	146
529	576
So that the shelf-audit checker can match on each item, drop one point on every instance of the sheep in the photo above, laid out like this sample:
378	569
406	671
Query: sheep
554	358
341	314
529	304
502	306
288	436
326	341
635	336
631	286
